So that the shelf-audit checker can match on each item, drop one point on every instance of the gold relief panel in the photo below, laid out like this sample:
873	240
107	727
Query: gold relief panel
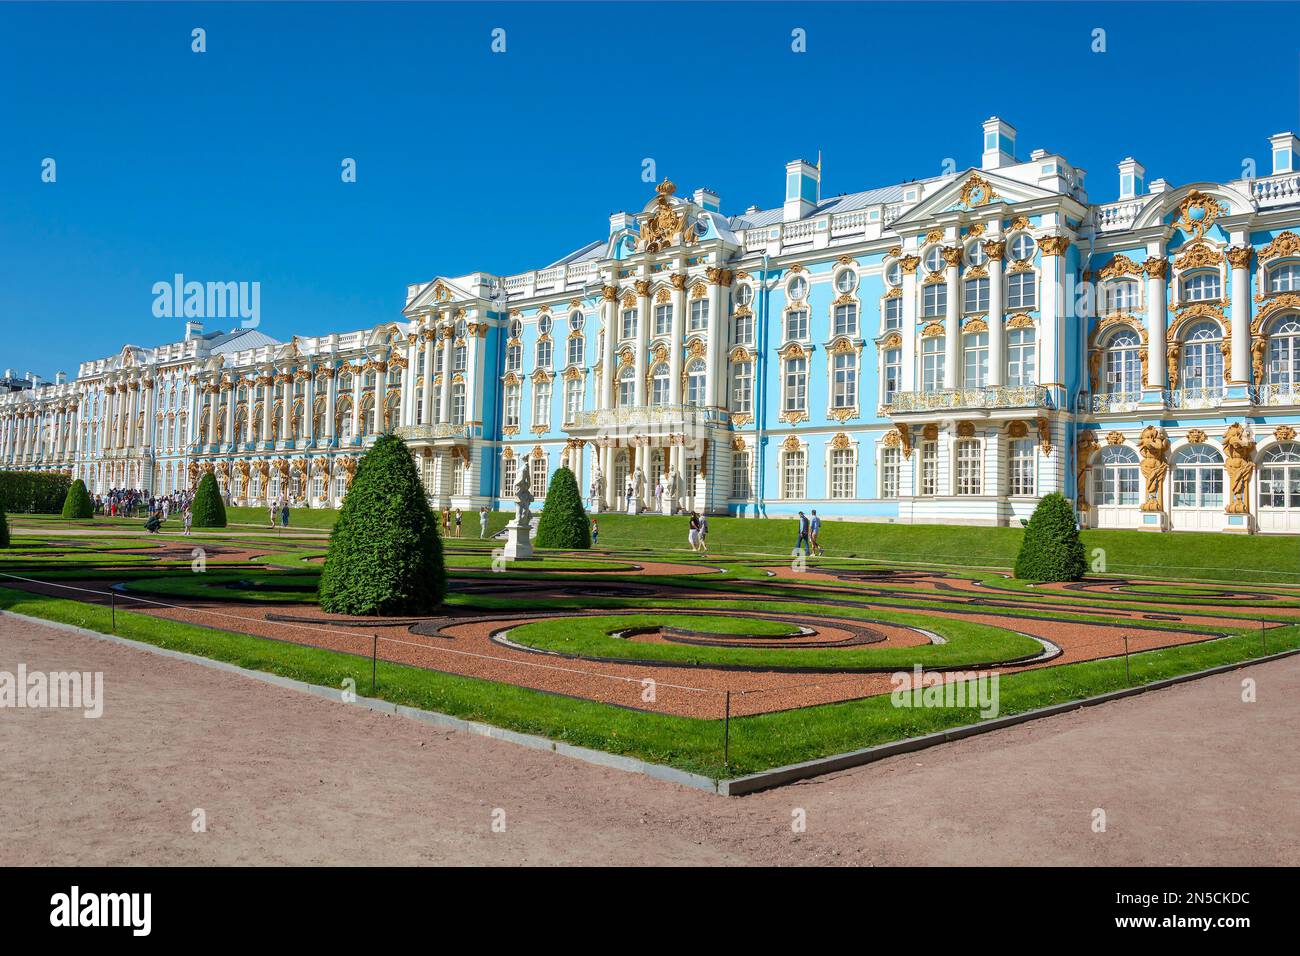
1045	435
1196	436
1120	265
844	414
976	230
793	350
1286	244
662	296
934	328
626	357
930	432
737	443
1198	212
795	267
845	299
793	418
847	261
1115	438
892	340
1196	256
976	272
975	325
629	300
934	235
976	191
1021	222
1284	433
642	287
841	442
934	278
741	419
699	290
1017	429
741	354
908	264
1156	267
894	293
965	429
695	349
791	443
1281	303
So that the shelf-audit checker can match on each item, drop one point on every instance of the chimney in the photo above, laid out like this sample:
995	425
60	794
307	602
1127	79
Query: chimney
707	199
803	183
999	144
1132	178
193	330
1285	146
618	222
60	378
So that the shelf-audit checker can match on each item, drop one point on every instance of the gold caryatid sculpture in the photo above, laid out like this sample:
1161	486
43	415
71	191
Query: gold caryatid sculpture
1238	454
665	226
1154	448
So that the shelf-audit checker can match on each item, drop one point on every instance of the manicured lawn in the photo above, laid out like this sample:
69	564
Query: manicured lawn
695	745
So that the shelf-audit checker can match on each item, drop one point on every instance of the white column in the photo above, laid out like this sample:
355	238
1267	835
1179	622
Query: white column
426	410
1239	258
309	406
356	406
719	293
609	306
1157	270
331	400
642	338
952	319
675	346
215	391
474	362
229	436
408	382
1053	308
268	399
994	249
444	393
381	391
910	331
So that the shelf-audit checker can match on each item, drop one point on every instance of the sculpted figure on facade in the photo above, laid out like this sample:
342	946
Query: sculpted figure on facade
1238	463
1153	445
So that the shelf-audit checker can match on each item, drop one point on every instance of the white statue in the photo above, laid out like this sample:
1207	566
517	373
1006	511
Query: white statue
524	496
638	481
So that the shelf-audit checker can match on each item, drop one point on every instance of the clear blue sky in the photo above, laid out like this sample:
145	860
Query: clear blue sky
225	166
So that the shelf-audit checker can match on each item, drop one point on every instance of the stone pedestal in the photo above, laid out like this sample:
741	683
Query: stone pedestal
1243	523
667	506
596	506
519	543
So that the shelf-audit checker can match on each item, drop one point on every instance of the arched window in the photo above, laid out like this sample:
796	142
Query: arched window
975	351
695	382
1279	476
626	386
1203	357
659	384
1284	354
1198	477
1021	358
1202	287
1123	367
1116	478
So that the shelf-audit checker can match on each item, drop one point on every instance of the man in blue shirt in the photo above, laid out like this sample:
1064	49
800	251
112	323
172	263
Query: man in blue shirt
803	533
814	529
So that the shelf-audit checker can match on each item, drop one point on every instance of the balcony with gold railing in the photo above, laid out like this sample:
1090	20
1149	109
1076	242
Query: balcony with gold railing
989	397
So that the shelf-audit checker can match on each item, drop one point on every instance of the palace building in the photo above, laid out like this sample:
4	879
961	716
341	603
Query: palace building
946	350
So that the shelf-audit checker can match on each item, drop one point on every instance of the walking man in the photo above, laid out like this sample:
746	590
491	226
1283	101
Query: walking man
814	529
803	533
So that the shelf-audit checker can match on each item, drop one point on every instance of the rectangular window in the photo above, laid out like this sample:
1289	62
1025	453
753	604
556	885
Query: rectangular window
511	415
629	323
699	314
796	385
1022	290
663	319
977	295
846	320
976	359
1023	467
740	487
796	324
845	385
509	475
893	373
744	327
575	350
793	474
542	404
572	400
932	364
742	387
537	475
892	313
889	469
934	300
970	467
843	473
929	467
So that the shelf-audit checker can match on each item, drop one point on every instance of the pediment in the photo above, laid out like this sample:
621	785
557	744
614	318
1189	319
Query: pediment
435	293
970	191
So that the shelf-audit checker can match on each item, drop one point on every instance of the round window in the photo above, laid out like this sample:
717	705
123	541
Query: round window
893	274
846	281
975	255
1022	247
544	324
934	260
744	294
798	288
575	321
516	328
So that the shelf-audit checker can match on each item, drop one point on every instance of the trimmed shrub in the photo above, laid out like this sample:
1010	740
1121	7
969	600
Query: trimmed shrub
4	529
77	504
33	492
1051	549
564	521
385	556
208	509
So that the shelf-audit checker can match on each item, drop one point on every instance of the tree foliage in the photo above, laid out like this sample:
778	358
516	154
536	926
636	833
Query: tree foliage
1051	549
208	509
564	521
385	555
77	503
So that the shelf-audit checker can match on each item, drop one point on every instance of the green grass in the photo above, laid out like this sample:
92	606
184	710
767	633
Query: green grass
695	745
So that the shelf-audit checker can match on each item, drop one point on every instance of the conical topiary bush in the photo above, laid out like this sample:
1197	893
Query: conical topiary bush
208	509
564	521
1051	549
385	556
77	503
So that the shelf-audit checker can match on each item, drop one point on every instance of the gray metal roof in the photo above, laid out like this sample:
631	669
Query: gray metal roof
237	340
592	250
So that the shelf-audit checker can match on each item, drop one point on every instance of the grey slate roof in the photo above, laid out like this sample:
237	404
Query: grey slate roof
236	340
